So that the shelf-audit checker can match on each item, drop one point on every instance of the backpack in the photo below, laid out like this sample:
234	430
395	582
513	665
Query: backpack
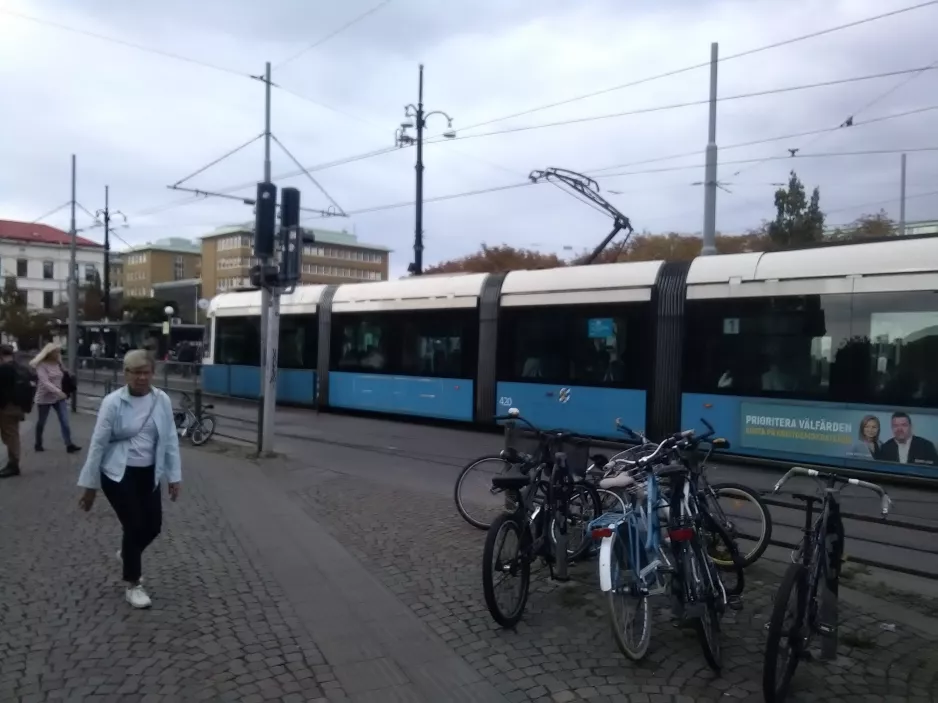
24	387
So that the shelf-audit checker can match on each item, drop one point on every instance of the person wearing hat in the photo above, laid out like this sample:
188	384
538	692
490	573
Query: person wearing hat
134	446
50	396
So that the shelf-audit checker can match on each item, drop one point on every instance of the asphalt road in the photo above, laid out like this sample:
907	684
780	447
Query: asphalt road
429	458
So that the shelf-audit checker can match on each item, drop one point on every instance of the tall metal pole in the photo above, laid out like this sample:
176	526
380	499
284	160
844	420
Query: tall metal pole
270	307
107	253
710	177
902	197
265	293
418	224
73	293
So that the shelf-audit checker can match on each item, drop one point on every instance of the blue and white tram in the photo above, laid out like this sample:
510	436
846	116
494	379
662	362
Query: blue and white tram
824	356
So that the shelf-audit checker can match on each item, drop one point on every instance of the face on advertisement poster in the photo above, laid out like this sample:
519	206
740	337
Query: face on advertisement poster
894	436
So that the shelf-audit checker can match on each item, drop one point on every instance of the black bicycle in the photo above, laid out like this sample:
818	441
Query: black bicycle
797	616
551	508
740	522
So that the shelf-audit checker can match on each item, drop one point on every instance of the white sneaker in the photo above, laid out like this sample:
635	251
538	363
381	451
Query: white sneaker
138	598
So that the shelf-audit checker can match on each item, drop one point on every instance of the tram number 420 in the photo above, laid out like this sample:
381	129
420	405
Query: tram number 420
505	401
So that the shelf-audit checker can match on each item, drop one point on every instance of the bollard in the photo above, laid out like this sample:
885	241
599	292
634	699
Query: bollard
197	395
165	375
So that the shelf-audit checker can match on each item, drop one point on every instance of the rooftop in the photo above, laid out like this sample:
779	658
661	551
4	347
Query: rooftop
323	236
35	233
178	245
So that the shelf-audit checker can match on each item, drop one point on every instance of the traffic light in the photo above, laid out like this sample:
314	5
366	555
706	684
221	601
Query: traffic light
265	220
291	239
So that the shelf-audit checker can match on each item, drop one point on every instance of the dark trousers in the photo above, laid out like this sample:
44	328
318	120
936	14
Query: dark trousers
139	508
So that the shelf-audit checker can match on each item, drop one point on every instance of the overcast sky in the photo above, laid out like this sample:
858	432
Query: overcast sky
140	121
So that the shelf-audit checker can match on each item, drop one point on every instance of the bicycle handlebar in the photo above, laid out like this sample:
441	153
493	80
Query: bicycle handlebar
885	502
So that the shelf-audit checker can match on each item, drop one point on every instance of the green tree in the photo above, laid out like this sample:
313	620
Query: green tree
798	221
144	310
28	328
91	296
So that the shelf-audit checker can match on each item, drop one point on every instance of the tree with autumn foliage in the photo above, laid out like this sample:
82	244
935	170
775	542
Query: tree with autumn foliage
498	258
867	227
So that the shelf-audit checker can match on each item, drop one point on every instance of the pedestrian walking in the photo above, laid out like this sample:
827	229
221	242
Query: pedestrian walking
133	448
52	390
17	391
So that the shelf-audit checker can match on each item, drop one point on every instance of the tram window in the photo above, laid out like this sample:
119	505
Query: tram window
795	346
298	342
359	343
579	345
899	332
238	341
418	343
441	344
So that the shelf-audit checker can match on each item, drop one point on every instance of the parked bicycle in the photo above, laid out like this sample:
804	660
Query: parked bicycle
478	500
199	427
634	563
757	520
551	507
797	615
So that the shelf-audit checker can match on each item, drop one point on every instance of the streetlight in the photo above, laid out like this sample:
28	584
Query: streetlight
417	118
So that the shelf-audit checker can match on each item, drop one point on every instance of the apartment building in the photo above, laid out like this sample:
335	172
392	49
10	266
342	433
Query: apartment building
336	257
116	268
172	259
37	256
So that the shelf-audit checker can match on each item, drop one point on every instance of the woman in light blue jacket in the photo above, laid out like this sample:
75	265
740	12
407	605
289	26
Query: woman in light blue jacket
134	446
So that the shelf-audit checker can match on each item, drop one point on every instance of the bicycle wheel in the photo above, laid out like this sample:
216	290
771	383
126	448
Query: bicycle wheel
749	518
476	500
776	679
629	610
721	549
707	623
497	568
583	506
202	430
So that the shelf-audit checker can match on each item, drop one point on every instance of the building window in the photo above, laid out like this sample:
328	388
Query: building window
179	268
48	269
21	268
47	299
90	273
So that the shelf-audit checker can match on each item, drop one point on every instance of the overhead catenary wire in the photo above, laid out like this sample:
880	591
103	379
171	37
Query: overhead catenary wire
52	212
386	150
850	120
690	103
232	152
706	64
340	212
319	42
766	140
512	186
125	43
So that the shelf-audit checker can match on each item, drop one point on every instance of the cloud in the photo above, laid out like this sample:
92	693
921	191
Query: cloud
139	121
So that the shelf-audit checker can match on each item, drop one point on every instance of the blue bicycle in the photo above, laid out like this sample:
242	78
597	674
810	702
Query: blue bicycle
635	562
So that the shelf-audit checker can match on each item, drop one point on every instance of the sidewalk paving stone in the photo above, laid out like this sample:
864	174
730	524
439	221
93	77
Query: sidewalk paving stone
220	628
563	649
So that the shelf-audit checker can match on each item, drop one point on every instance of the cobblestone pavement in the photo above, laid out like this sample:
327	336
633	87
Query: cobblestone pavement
219	629
563	650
